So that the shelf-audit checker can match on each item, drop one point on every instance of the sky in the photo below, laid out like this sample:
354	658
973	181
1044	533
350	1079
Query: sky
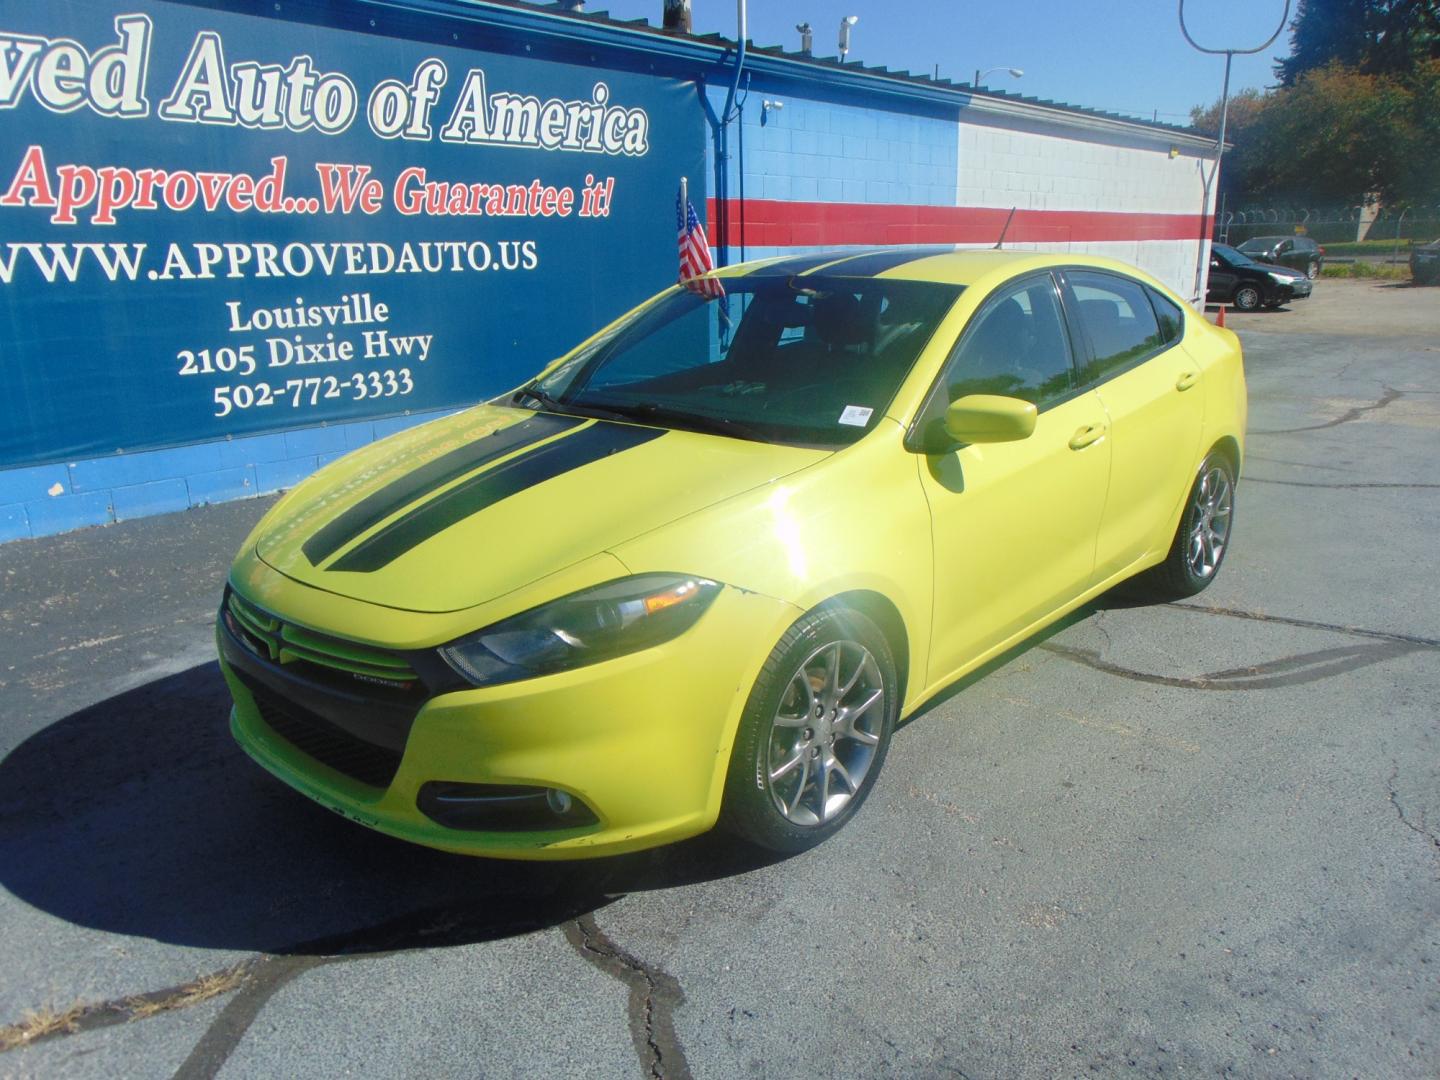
1125	56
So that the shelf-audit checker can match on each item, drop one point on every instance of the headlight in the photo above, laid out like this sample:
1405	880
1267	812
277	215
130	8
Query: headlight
1281	279
586	627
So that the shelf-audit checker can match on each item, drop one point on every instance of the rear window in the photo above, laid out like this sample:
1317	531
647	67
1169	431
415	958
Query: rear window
1169	315
1117	318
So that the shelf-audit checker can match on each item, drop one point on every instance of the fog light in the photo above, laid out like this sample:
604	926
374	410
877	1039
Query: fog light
502	807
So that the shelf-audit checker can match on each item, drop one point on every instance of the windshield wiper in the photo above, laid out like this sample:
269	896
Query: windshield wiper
534	393
650	411
571	408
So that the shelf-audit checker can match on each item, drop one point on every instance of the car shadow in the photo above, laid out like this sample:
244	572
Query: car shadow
141	816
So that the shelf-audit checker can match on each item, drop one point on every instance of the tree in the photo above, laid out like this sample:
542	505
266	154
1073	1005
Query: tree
1337	134
1357	113
1245	108
1375	37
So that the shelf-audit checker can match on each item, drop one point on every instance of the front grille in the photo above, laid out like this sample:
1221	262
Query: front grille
286	643
316	737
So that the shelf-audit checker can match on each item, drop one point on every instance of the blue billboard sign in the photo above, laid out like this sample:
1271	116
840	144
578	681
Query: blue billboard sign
215	223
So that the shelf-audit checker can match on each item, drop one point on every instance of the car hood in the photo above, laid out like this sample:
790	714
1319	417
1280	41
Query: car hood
465	509
1278	270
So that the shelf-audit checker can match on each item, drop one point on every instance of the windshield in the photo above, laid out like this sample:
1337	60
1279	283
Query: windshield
1260	243
806	360
1232	255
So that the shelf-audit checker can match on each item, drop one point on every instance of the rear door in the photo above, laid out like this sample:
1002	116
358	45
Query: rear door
1222	279
1150	389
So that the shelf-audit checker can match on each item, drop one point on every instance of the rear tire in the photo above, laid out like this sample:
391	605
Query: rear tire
1202	538
814	733
1313	270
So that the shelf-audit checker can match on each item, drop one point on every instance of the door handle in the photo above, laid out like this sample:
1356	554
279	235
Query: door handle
1087	435
1186	380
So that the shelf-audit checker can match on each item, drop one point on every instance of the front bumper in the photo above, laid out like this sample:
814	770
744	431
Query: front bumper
642	740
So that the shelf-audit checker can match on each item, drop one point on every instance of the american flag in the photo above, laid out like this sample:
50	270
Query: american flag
694	251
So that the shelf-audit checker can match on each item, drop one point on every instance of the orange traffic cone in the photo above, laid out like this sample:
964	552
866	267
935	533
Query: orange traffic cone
1220	318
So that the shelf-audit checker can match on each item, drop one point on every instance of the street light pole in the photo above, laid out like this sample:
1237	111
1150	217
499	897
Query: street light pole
1208	181
1014	73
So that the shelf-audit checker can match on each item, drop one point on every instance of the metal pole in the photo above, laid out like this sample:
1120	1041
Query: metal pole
741	20
1207	181
677	16
1395	255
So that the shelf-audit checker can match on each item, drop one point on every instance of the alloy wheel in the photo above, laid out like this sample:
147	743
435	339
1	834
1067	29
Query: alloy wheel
825	733
1210	512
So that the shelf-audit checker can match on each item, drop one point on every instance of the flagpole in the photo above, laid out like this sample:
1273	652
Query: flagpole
684	194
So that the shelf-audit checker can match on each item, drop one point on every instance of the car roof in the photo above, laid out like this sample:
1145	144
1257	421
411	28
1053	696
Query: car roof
942	264
1270	239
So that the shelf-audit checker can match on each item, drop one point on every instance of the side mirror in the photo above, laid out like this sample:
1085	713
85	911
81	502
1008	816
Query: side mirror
989	418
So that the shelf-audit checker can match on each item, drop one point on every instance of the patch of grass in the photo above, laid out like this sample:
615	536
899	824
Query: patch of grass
192	993
38	1023
1378	271
46	1021
1365	247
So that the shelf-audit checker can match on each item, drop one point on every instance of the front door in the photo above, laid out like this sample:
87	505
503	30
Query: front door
1013	524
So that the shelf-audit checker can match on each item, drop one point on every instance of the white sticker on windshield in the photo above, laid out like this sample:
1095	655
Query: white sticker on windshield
856	415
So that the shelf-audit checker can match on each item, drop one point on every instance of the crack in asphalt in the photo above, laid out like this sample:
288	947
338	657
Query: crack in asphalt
1273	674
1420	829
267	976
1290	670
254	982
1308	624
1359	485
1297	464
654	997
1391	395
132	1007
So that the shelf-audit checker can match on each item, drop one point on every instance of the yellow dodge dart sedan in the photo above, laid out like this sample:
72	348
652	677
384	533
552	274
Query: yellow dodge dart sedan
696	570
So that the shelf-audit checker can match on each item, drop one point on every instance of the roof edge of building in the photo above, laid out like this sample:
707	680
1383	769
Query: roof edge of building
639	34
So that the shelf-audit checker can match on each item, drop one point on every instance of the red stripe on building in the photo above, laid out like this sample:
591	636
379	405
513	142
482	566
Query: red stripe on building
776	223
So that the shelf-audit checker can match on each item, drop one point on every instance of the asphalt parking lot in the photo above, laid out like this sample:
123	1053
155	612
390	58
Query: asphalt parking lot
1198	839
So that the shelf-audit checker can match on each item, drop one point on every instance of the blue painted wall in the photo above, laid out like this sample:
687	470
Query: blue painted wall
97	360
43	500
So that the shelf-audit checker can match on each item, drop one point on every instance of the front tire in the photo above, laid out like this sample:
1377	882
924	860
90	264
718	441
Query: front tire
1202	538
814	733
1247	298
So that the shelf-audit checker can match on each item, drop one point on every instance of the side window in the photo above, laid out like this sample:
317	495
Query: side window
1017	346
1172	319
1117	318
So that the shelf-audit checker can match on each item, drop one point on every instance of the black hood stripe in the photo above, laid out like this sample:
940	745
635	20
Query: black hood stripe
485	490
431	476
873	263
860	263
799	264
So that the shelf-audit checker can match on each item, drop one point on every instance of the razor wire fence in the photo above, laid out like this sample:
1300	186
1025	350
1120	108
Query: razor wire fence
1329	224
